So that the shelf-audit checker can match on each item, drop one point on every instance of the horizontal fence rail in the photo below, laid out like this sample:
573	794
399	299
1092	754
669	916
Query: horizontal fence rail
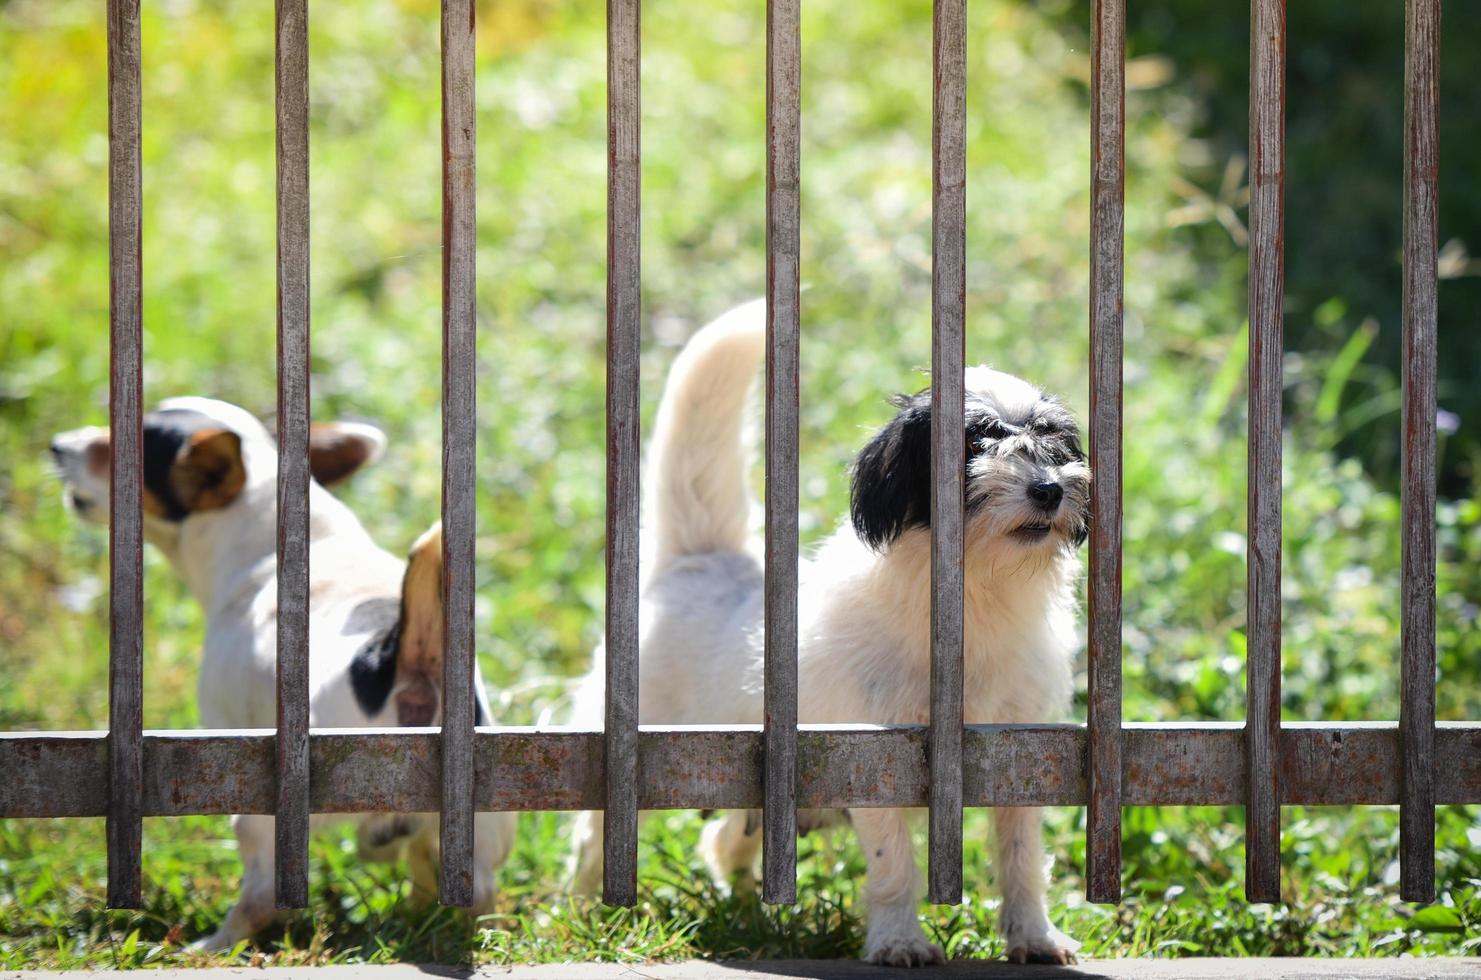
372	770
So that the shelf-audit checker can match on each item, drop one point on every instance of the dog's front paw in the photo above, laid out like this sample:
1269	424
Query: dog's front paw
904	951
1048	946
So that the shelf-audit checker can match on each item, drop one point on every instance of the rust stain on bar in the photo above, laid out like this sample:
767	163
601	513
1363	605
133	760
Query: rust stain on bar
783	244
292	743
1025	765
1107	207
1417	520
624	119
1266	282
459	438
126	472
948	443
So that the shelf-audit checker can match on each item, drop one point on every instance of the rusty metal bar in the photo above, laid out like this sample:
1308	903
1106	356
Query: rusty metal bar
292	823
1421	268
126	466
620	827
1266	280
948	442
1107	207
783	245
63	774
459	448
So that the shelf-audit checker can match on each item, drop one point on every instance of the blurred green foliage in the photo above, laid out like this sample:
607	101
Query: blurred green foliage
1344	194
209	316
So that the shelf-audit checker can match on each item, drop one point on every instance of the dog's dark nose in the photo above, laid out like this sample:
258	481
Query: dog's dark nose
1046	495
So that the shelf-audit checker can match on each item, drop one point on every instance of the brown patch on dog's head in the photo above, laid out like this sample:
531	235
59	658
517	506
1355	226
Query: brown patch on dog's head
98	456
419	661
208	473
191	464
337	450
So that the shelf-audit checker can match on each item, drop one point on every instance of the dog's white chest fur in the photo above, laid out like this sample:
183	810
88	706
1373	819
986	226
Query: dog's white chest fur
863	640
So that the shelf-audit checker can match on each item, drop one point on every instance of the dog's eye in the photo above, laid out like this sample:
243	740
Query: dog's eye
1063	451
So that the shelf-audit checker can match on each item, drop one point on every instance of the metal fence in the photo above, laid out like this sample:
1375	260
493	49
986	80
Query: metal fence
127	774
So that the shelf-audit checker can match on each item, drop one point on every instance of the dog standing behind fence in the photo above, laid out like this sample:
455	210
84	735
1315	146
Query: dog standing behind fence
210	499
864	608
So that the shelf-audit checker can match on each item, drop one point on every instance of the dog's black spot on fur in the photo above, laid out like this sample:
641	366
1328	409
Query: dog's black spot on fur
373	670
892	476
166	432
891	488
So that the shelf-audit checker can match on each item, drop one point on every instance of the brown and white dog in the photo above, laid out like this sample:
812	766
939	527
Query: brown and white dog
210	502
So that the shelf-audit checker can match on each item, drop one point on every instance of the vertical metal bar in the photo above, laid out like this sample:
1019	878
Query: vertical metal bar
126	468
948	443
292	824
620	828
459	344
1108	183
1266	281
1421	267
783	242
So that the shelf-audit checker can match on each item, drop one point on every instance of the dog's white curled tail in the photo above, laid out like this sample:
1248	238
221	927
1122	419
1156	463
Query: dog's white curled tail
698	501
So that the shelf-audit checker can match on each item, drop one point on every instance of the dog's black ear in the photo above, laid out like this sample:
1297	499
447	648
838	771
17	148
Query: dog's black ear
891	489
337	450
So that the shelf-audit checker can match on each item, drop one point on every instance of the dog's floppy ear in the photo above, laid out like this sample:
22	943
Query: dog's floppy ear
208	473
891	488
419	661
338	449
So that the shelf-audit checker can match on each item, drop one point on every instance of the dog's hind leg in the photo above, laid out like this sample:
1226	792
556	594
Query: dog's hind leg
493	837
895	937
423	860
257	907
1021	866
729	847
585	870
588	850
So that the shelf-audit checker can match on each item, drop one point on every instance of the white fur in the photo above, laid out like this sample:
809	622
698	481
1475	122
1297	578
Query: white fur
864	631
228	559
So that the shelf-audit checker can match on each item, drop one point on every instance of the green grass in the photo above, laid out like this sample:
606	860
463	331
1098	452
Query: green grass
209	329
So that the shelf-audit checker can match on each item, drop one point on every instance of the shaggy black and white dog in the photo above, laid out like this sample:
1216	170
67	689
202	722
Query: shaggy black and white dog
864	607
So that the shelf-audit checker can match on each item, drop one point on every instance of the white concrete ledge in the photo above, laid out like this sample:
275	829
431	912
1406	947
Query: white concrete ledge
1128	969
